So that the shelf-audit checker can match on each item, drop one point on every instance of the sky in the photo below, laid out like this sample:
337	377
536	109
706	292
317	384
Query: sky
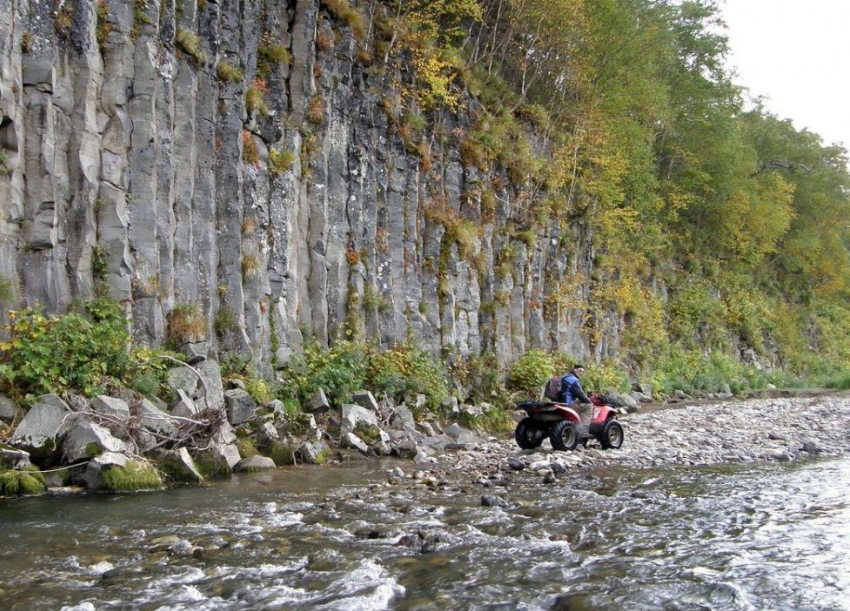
796	53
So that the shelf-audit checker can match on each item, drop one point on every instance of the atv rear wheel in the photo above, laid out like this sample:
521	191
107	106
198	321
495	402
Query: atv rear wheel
529	434
612	435
564	436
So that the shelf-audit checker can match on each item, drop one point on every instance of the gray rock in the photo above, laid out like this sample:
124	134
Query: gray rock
183	378
195	352
253	464
313	453
455	431
364	398
235	383
350	440
420	401
16	459
184	407
516	464
97	466
402	417
211	373
179	465
493	501
352	415
267	434
86	439
319	403
8	410
156	420
240	406
110	406
381	448
43	423
277	407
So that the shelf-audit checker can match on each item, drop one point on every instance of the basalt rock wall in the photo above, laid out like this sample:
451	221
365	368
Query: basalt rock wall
133	167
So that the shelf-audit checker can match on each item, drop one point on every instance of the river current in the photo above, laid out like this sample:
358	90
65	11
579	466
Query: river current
733	537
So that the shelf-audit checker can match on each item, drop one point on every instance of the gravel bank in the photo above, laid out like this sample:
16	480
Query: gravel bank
783	429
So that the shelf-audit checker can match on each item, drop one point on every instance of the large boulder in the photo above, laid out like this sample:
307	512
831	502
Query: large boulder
366	399
240	406
253	464
183	378
211	374
350	440
86	439
40	430
179	466
218	459
119	473
314	453
319	403
156	420
352	415
402	417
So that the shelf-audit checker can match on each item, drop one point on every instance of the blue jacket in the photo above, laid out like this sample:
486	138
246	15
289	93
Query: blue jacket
571	390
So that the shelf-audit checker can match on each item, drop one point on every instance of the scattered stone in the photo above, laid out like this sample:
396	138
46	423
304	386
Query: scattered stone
314	453
350	440
319	403
493	501
41	428
240	406
352	415
178	465
253	464
8	410
110	406
86	439
182	378
402	417
185	406
364	398
211	373
156	420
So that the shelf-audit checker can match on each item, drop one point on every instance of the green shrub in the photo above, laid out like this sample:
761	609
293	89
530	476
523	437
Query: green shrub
228	72
70	352
407	370
186	323
190	44
339	370
531	371
226	320
274	53
280	161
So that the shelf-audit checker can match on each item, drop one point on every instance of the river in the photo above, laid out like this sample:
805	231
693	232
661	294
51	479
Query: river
745	536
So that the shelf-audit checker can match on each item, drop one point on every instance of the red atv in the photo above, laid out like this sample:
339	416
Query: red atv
561	423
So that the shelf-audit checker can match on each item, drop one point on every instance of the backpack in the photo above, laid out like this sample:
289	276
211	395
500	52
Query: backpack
553	388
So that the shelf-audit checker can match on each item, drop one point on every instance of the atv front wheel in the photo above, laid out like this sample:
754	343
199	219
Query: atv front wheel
612	435
564	436
529	434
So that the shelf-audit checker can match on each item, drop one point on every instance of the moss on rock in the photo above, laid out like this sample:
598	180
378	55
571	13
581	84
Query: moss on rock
135	476
14	483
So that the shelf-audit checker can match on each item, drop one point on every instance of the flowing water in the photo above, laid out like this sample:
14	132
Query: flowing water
768	536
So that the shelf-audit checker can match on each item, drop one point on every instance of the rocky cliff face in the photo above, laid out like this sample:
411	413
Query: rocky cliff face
135	165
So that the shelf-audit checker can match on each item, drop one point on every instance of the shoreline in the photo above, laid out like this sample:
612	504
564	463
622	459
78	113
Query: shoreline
692	433
702	433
